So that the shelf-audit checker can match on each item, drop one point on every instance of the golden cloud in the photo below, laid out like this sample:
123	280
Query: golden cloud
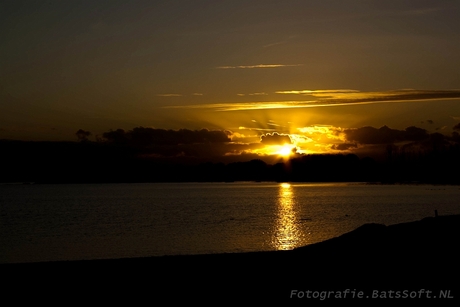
258	66
327	98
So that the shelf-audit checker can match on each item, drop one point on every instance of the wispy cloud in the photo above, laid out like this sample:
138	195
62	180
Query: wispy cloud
169	95
236	106
280	42
256	129
346	96
274	44
258	66
313	92
254	94
324	98
178	95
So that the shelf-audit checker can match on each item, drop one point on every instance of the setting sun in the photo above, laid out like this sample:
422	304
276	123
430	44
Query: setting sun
285	150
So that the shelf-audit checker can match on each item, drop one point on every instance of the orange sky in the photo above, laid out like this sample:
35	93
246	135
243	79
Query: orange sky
309	69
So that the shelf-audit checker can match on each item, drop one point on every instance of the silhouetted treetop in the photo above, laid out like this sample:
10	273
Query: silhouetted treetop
82	135
141	136
344	146
117	136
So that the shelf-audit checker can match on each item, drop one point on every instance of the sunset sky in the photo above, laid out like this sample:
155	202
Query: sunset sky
310	69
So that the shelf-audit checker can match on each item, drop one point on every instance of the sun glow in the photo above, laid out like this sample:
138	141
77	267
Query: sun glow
282	151
313	139
285	150
286	185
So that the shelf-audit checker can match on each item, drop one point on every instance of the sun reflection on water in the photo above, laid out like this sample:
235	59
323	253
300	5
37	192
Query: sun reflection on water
287	233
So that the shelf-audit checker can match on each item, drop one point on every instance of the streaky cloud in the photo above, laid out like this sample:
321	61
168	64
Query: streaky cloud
253	94
256	129
329	98
258	66
274	44
313	92
237	106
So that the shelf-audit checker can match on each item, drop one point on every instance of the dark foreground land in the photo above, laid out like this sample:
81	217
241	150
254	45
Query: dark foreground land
409	262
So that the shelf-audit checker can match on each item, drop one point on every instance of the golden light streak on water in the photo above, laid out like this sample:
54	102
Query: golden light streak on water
287	233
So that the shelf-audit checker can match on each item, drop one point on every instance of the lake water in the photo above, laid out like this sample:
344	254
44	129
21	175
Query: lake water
94	221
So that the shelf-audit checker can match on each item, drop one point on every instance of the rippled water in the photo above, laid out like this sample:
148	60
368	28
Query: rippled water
67	222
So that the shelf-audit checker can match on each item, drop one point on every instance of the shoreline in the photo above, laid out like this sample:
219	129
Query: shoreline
409	256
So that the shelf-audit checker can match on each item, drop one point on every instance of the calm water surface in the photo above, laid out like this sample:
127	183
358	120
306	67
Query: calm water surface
69	222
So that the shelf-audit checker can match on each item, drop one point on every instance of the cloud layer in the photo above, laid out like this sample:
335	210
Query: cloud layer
258	66
340	97
385	135
275	139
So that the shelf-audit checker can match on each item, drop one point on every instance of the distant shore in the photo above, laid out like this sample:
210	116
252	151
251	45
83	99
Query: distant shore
113	162
409	256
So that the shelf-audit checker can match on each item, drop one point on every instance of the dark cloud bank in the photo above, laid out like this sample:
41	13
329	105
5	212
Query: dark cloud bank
151	155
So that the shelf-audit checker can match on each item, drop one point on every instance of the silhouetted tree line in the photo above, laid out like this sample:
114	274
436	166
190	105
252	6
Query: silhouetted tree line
142	137
153	155
79	162
436	161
